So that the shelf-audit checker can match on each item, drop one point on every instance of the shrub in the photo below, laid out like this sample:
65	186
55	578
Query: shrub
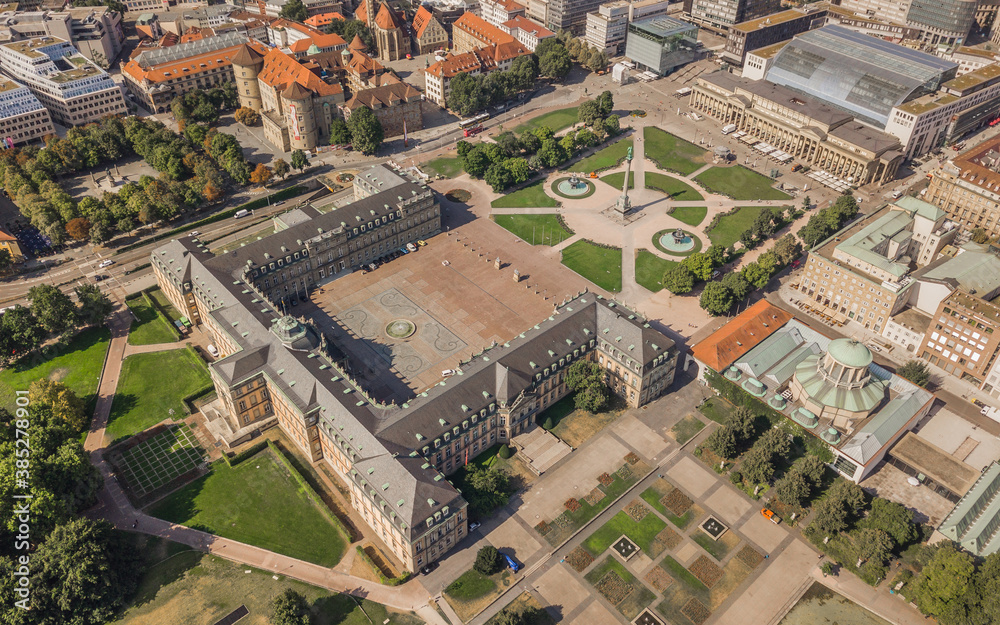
505	452
487	560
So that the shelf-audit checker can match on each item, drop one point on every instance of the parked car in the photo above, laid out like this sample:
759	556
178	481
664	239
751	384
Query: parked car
770	516
474	526
448	373
194	233
421	242
427	568
411	247
212	350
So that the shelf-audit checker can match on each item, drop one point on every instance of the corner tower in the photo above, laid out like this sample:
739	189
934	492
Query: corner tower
247	64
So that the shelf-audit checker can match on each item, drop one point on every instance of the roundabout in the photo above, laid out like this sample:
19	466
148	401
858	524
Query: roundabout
676	242
400	329
573	187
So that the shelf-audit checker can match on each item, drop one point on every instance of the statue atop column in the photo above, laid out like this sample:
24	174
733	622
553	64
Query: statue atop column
624	205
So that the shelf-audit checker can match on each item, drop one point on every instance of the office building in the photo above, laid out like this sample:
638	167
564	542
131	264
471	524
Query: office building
893	32
888	11
810	130
606	27
277	370
429	33
720	15
22	117
661	44
496	12
528	33
558	15
864	272
766	31
96	32
72	88
967	188
471	32
943	22
830	387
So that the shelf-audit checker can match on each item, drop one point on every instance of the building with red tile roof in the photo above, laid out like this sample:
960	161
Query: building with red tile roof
747	330
471	31
484	60
323	19
529	33
392	41
299	39
396	105
11	245
429	32
496	12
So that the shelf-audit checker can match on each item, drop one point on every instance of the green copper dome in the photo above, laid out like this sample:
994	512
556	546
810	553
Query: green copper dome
850	353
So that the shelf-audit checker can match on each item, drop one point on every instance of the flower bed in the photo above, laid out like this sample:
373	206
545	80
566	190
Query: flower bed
543	528
572	504
749	556
579	559
695	611
659	579
594	497
668	538
631	458
706	571
625	472
637	510
614	588
676	502
605	479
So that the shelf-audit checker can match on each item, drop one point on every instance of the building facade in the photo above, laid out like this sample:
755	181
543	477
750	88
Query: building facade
721	15
96	32
437	77
967	188
397	107
813	132
661	44
23	119
964	338
606	27
943	22
528	33
389	29
71	87
558	15
765	31
393	458
430	35
496	12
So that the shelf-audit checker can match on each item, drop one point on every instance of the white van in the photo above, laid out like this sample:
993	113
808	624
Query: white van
241	213
728	128
212	350
897	194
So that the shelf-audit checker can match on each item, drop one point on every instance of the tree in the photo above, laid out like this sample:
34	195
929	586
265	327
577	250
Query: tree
870	545
82	573
597	61
700	265
20	333
61	401
756	274
299	160
247	116
476	162
738	285
340	134
786	249
678	279
606	102
498	177
92	304
487	561
78	228
6	260
367	133
722	442
466	94
589	113
916	372
716	299
893	519
830	517
294	10
944	580
553	59
612	125
261	174
486	489
743	422
757	466
591	398
792	489
587	379
290	608
811	468
505	452
280	168
210	192
52	308
980	236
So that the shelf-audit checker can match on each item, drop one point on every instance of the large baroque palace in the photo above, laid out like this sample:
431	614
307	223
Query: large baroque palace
275	369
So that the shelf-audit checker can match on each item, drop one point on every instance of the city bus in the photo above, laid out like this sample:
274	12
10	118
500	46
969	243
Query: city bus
473	125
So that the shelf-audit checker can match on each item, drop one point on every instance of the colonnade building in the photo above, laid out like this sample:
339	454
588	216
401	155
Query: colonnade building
275	369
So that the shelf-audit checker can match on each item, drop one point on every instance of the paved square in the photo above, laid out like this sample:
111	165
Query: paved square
595	614
511	535
559	587
761	531
639	436
691	476
687	554
771	592
728	504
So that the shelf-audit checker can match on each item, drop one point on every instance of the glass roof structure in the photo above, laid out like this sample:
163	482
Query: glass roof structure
857	72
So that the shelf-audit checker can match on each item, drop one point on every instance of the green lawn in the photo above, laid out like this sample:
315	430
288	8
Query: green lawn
690	215
604	159
635	601
729	228
147	393
531	196
678	190
672	153
546	229
447	166
649	269
573	521
616	180
717	409
257	502
161	300
641	533
555	120
151	327
687	428
557	411
677	570
78	366
740	183
471	585
600	265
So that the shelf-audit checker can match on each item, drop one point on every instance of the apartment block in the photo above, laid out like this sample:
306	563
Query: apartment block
71	87
765	31
527	32
606	28
22	116
967	188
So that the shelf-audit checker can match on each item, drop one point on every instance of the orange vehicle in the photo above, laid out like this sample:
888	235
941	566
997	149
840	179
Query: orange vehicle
593	174
770	516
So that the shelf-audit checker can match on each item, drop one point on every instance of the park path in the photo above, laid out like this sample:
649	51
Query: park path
115	507
156	347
